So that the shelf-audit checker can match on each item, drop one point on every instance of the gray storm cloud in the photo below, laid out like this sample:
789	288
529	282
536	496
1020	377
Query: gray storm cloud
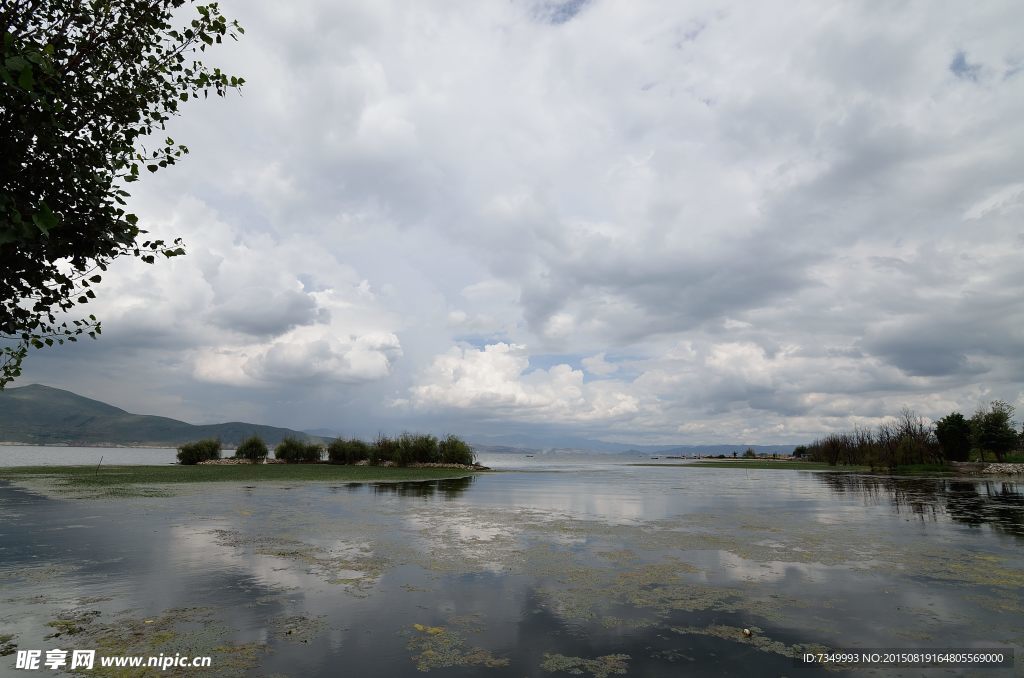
628	221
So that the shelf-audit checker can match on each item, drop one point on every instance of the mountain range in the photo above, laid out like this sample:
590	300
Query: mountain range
41	415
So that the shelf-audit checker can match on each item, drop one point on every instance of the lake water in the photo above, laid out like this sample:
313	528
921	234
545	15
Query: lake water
553	567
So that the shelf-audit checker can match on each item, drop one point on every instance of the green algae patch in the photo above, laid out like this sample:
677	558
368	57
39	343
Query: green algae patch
72	623
191	632
355	568
599	667
37	575
436	647
7	644
186	632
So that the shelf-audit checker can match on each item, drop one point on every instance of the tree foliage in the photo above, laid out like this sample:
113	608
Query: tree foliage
86	89
954	435
351	451
200	450
295	451
993	431
897	441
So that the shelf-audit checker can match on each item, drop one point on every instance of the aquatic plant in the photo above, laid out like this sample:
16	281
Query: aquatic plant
252	448
201	450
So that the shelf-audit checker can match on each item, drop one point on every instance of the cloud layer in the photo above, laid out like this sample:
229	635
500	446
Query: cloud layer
630	221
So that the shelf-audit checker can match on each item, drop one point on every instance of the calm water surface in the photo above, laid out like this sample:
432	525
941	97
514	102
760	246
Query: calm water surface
555	567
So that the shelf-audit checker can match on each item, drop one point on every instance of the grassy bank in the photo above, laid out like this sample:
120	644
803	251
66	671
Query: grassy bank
86	477
905	470
765	464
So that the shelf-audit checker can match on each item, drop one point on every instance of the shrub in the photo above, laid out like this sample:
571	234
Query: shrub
294	451
343	451
201	450
455	450
384	449
417	449
252	448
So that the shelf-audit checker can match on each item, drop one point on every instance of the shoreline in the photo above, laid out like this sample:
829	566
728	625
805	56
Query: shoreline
955	469
143	481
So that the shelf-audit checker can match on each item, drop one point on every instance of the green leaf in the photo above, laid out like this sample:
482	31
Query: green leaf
45	220
25	79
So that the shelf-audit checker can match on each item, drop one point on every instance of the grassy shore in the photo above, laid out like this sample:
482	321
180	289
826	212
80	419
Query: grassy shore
85	477
784	465
779	465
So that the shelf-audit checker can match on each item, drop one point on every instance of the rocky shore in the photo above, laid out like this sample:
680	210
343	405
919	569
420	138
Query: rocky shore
989	468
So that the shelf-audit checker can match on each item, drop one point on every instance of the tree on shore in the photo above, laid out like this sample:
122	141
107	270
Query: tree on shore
992	430
86	89
954	435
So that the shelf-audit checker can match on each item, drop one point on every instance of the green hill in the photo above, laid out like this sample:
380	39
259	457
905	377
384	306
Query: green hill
40	415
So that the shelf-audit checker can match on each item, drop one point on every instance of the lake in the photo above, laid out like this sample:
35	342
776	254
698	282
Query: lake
550	567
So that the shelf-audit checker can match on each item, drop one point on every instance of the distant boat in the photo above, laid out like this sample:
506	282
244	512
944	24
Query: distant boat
655	457
529	455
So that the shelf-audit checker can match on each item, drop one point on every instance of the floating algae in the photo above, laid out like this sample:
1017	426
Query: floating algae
600	667
39	574
298	629
756	639
352	566
72	623
181	631
436	647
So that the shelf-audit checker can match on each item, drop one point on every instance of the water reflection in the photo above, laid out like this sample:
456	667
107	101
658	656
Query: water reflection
996	503
448	488
576	570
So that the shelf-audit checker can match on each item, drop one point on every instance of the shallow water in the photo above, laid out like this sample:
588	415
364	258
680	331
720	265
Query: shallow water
562	567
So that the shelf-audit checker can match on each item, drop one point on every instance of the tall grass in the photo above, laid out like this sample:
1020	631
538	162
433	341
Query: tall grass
201	450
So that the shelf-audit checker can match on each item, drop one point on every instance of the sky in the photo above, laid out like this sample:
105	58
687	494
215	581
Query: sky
529	220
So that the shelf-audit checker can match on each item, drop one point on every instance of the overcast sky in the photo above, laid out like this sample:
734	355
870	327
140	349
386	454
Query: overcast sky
653	222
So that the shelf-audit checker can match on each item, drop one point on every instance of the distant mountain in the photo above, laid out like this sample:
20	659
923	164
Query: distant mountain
40	415
323	432
520	443
637	450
